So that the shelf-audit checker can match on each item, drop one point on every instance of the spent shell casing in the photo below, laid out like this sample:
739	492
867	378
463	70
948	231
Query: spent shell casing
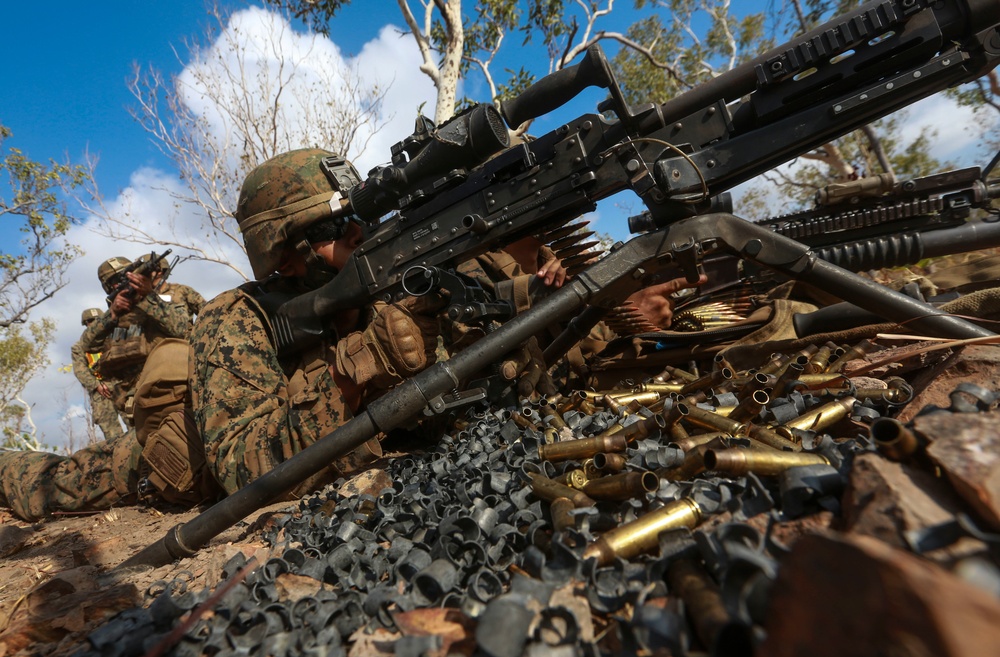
624	486
824	380
710	380
643	398
663	388
762	462
703	602
561	512
523	419
576	478
750	407
583	448
694	461
698	440
859	350
644	428
756	382
893	440
549	490
773	439
610	462
642	534
819	418
709	420
819	361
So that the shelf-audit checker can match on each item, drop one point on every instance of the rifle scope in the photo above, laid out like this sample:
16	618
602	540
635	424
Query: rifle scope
464	142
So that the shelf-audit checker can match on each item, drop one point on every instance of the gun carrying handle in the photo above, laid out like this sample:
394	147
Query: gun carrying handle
557	88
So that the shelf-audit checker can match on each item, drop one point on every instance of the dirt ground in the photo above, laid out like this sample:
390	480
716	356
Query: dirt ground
76	550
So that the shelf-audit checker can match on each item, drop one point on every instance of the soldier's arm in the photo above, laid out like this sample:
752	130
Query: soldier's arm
248	419
98	331
81	369
171	317
195	302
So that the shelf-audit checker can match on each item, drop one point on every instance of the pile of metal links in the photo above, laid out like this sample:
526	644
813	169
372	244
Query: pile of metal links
599	522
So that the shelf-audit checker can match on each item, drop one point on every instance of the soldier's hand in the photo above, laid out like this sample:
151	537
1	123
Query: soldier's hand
141	285
400	342
550	268
121	304
655	302
103	390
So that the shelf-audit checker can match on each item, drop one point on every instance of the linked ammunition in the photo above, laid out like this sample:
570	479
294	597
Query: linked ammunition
741	461
549	490
584	448
560	510
609	462
819	418
709	420
624	486
642	534
893	440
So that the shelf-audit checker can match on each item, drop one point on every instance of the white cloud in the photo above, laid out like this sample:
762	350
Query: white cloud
391	59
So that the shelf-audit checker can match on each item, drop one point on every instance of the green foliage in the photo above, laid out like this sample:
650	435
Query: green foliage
22	354
32	270
314	13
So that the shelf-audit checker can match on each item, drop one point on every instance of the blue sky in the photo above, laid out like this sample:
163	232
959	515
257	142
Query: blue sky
63	83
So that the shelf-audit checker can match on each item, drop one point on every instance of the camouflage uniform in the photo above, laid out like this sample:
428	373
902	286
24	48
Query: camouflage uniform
103	411
132	336
252	409
36	484
184	296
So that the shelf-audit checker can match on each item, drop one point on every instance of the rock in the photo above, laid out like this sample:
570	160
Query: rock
839	595
884	499
370	482
967	447
975	363
12	539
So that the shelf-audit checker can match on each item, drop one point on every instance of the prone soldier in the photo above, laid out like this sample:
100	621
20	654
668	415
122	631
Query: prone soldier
102	410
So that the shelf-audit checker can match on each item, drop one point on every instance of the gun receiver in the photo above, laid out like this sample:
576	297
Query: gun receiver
141	267
678	157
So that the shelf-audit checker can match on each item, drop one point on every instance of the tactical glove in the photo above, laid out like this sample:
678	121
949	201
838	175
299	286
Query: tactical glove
399	343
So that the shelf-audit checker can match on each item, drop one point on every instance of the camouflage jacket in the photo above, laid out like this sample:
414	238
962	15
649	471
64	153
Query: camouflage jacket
184	296
152	318
253	409
81	367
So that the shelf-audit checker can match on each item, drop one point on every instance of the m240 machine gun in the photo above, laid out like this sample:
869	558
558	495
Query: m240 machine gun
678	157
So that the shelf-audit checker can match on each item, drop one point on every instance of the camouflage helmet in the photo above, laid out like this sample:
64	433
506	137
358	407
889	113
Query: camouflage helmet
282	197
163	264
109	269
89	315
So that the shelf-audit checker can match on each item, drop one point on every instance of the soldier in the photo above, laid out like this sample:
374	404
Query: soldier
254	409
137	320
175	293
102	410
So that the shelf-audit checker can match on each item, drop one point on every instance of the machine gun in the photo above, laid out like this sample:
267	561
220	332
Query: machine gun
678	157
141	266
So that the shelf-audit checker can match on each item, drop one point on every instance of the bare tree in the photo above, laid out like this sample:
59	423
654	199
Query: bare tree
251	89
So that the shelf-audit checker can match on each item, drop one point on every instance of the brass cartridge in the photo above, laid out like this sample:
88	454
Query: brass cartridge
819	361
549	490
819	418
672	419
643	398
560	511
576	479
750	407
522	419
773	439
678	374
791	373
824	380
709	420
756	382
692	442
703	601
694	461
551	416
857	351
612	404
742	461
642	534
644	428
610	462
893	440
710	380
774	365
623	486
662	388
584	448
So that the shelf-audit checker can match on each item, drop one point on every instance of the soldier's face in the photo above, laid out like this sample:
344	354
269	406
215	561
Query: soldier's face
336	252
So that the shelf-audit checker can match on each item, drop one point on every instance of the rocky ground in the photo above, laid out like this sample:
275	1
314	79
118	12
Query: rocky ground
895	557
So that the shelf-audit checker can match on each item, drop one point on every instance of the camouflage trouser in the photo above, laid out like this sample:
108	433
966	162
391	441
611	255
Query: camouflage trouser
105	415
36	484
